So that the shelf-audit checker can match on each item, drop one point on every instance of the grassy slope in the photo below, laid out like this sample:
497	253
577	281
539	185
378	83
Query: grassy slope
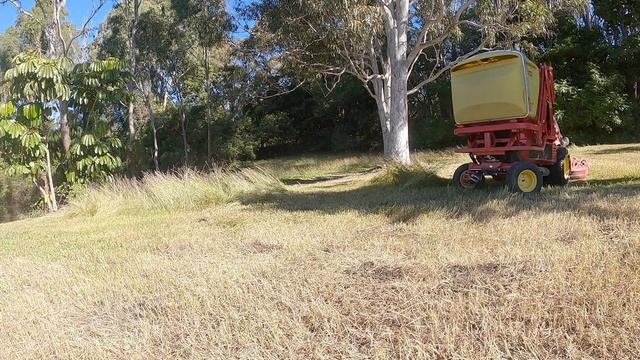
345	268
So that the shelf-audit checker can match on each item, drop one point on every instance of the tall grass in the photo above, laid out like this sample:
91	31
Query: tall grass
180	190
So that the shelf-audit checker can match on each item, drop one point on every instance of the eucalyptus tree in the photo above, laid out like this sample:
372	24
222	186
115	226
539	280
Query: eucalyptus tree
140	31
155	41
118	38
175	48
381	41
212	25
180	66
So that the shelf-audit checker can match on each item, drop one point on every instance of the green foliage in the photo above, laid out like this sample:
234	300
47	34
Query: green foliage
25	129
275	129
16	196
37	79
593	112
99	81
596	73
9	48
94	148
94	156
28	120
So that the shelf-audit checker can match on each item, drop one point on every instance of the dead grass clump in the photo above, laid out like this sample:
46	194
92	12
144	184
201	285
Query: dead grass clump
379	272
258	247
489	276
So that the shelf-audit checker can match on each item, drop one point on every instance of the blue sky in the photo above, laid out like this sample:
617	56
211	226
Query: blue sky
79	11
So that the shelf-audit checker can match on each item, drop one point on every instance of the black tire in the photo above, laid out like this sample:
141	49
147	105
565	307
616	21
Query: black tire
524	177
463	178
559	174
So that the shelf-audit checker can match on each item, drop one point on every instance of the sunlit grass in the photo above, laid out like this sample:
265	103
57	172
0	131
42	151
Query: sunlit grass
392	263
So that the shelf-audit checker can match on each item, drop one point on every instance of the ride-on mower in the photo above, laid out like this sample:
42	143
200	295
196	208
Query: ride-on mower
504	104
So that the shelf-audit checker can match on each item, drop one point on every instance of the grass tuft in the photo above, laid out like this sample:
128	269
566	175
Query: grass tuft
407	177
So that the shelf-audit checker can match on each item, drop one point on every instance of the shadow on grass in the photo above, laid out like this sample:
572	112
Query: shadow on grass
634	148
405	201
613	182
321	179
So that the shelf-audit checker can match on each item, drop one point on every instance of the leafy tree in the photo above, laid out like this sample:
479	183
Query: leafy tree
212	25
380	42
9	48
595	84
118	39
94	146
31	119
27	126
595	109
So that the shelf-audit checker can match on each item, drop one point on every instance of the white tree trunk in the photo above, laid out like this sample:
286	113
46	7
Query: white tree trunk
53	201
385	124
397	141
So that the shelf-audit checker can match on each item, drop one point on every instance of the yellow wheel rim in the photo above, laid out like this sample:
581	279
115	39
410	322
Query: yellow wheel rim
527	181
566	167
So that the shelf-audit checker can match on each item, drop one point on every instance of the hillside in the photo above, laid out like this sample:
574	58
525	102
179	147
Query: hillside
341	260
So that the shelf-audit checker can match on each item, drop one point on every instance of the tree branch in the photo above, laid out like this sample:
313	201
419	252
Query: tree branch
436	74
18	6
283	92
85	25
57	4
422	42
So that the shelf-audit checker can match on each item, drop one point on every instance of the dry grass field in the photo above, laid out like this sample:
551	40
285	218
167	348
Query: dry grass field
374	264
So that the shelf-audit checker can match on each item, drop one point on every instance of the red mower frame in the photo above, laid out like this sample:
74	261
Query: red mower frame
495	146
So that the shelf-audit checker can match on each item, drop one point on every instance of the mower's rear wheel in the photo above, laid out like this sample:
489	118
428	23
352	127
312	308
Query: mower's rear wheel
467	179
560	172
524	177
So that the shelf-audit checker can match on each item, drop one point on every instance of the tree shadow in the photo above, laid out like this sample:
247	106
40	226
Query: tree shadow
405	204
326	178
633	148
617	182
